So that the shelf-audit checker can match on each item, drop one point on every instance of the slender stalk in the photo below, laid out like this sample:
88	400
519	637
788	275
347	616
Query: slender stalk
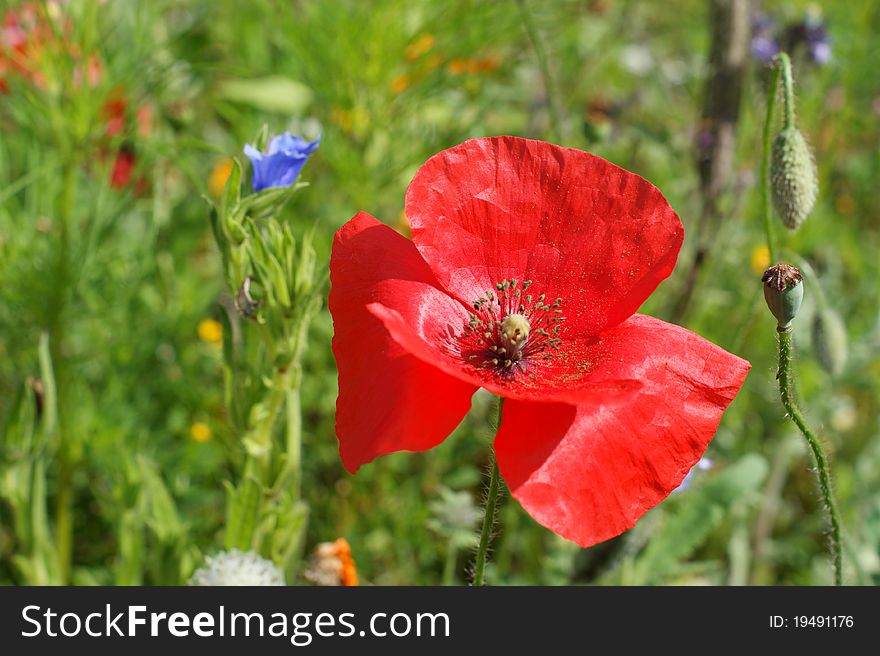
293	463
783	63
546	78
786	392
766	206
489	513
64	494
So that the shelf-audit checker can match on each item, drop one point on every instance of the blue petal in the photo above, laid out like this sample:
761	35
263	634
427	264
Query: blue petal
257	162
292	145
281	165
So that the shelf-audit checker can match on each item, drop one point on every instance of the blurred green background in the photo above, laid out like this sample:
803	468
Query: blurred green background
150	99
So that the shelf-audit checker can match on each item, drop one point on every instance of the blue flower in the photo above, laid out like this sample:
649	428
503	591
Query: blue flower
764	49
816	39
764	45
281	164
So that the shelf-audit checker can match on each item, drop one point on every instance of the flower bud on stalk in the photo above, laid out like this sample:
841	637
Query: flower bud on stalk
830	341
783	291
793	177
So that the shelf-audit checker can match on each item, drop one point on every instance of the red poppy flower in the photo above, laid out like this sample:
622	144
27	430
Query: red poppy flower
526	266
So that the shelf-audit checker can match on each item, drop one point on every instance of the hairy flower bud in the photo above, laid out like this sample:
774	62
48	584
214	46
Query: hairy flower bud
793	177
783	291
830	341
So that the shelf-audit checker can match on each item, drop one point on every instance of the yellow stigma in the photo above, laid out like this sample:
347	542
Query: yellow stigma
515	330
515	327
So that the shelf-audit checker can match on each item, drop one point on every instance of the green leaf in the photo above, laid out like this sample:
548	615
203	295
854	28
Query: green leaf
242	513
275	93
699	513
231	192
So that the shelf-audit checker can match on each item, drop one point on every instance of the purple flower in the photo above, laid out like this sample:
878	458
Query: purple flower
764	45
764	49
281	164
816	39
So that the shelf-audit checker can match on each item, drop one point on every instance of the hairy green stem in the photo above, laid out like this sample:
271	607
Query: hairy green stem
783	63
766	206
786	392
547	79
489	514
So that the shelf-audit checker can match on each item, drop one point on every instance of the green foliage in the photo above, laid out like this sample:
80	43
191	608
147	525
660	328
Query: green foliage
683	531
102	367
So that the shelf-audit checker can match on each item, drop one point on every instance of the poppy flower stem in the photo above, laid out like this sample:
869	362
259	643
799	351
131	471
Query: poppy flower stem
783	67
490	511
786	392
766	206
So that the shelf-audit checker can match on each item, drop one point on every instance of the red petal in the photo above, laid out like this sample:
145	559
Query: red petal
388	400
582	228
588	472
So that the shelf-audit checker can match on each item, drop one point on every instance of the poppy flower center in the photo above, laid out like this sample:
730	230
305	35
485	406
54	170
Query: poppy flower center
511	330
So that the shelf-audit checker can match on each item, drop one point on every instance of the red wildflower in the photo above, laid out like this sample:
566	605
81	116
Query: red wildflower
526	265
118	124
24	34
123	165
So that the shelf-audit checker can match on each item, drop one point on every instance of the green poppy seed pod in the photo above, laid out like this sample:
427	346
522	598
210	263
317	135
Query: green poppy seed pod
830	341
783	291
792	177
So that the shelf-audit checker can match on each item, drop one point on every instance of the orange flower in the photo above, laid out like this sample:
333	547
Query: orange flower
218	177
458	66
419	47
349	571
487	64
475	66
400	84
332	564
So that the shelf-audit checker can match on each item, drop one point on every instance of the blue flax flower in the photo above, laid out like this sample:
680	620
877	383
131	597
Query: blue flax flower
764	45
816	40
281	164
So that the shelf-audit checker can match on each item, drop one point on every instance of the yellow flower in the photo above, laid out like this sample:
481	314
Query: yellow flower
219	176
200	432
210	331
760	259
